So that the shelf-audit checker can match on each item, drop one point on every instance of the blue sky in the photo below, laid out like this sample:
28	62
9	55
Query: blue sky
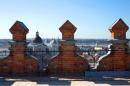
91	17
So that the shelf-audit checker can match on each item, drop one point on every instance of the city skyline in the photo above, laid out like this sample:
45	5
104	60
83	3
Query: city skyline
91	17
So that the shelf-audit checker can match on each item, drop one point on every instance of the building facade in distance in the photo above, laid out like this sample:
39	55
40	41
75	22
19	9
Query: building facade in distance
38	49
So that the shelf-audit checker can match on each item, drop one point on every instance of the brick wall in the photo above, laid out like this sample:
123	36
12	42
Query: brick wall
67	61
119	58
18	62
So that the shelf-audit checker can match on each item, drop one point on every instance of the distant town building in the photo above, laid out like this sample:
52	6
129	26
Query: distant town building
53	47
38	49
43	50
97	47
4	52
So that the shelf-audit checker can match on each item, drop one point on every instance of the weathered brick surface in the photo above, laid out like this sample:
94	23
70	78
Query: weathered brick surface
119	58
67	61
18	62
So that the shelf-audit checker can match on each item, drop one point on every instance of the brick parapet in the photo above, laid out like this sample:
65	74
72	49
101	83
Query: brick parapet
18	62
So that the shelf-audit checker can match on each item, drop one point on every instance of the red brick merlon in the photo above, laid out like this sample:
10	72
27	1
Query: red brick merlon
67	61
18	62
118	58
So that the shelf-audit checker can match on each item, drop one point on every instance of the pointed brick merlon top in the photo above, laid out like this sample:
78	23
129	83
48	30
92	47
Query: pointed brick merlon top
19	26
119	29
19	31
67	30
